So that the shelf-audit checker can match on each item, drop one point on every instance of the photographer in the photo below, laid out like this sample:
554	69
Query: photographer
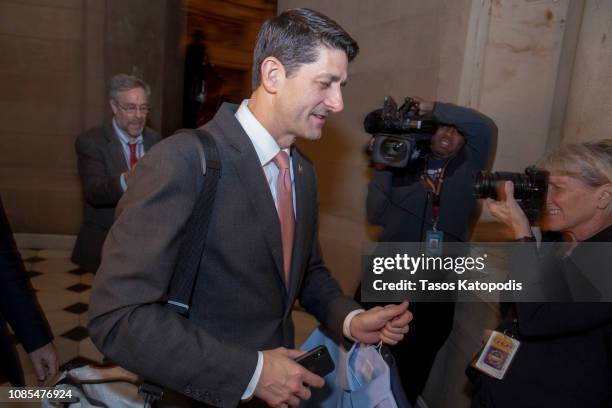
565	353
432	199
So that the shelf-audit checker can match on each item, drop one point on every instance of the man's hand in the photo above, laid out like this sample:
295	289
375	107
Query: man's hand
45	364
387	324
425	106
283	381
127	174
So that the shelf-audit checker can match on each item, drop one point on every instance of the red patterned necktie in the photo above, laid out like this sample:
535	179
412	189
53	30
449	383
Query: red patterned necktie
133	158
284	200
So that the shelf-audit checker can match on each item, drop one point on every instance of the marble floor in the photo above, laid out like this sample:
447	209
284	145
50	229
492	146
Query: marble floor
63	290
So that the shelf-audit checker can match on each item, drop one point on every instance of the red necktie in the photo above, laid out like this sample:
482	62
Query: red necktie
133	158
284	200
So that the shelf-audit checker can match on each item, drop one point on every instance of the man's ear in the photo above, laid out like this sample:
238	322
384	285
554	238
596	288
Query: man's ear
113	106
605	196
272	74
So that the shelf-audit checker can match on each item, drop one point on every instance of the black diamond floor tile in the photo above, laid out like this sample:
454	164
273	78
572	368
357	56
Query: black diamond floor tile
78	271
76	362
77	308
77	334
79	287
34	259
32	273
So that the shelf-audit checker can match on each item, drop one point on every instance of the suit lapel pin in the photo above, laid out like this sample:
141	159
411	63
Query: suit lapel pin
300	168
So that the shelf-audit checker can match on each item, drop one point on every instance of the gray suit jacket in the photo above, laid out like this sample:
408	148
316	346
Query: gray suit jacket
240	303
101	162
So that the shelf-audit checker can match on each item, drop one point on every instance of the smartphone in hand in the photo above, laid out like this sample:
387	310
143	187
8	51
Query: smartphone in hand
317	361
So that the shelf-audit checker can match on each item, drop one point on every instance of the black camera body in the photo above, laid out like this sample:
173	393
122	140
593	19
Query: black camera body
530	188
400	134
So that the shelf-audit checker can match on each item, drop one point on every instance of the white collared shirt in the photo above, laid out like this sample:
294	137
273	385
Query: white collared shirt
265	147
124	139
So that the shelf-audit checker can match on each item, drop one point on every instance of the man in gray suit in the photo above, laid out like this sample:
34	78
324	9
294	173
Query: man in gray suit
107	156
237	342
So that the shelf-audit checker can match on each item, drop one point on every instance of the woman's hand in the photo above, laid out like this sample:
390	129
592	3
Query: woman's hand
508	211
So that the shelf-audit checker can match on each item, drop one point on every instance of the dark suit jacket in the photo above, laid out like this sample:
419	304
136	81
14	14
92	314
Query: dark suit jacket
18	307
240	303
101	162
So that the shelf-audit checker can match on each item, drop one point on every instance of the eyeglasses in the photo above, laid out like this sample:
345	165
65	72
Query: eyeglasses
131	108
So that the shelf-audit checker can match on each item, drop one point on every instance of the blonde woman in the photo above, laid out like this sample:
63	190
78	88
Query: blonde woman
565	355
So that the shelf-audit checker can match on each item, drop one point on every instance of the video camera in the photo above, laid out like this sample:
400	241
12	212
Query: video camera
400	134
530	188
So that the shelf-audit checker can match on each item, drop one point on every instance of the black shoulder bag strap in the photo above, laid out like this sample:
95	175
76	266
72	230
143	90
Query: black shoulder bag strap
193	240
192	243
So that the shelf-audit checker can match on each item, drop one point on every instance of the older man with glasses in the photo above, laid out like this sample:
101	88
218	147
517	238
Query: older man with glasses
106	157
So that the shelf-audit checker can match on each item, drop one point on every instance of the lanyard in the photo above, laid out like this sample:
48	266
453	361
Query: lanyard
434	187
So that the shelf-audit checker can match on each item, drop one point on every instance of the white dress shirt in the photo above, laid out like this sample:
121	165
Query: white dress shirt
125	141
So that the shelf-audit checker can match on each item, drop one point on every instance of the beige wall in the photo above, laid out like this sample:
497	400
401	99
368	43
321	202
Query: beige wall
407	48
56	59
519	79
41	67
589	109
540	69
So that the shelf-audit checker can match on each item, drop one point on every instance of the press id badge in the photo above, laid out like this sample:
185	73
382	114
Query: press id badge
497	354
433	242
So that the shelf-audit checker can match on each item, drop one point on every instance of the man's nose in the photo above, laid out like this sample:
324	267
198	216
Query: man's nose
141	113
447	130
334	100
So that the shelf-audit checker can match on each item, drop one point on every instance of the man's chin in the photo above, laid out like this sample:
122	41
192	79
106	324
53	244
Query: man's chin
312	136
135	133
441	154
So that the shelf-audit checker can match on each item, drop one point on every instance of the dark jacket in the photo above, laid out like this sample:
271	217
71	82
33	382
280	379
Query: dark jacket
18	308
101	162
398	200
565	356
240	302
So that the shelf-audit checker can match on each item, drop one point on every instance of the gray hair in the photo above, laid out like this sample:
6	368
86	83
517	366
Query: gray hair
125	82
589	162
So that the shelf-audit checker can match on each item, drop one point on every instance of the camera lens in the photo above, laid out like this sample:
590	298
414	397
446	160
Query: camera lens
529	188
485	184
394	150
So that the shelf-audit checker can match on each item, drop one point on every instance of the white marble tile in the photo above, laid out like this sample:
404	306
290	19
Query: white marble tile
87	278
54	281
84	296
88	350
28	253
84	319
51	300
54	265
61	321
66	349
55	253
